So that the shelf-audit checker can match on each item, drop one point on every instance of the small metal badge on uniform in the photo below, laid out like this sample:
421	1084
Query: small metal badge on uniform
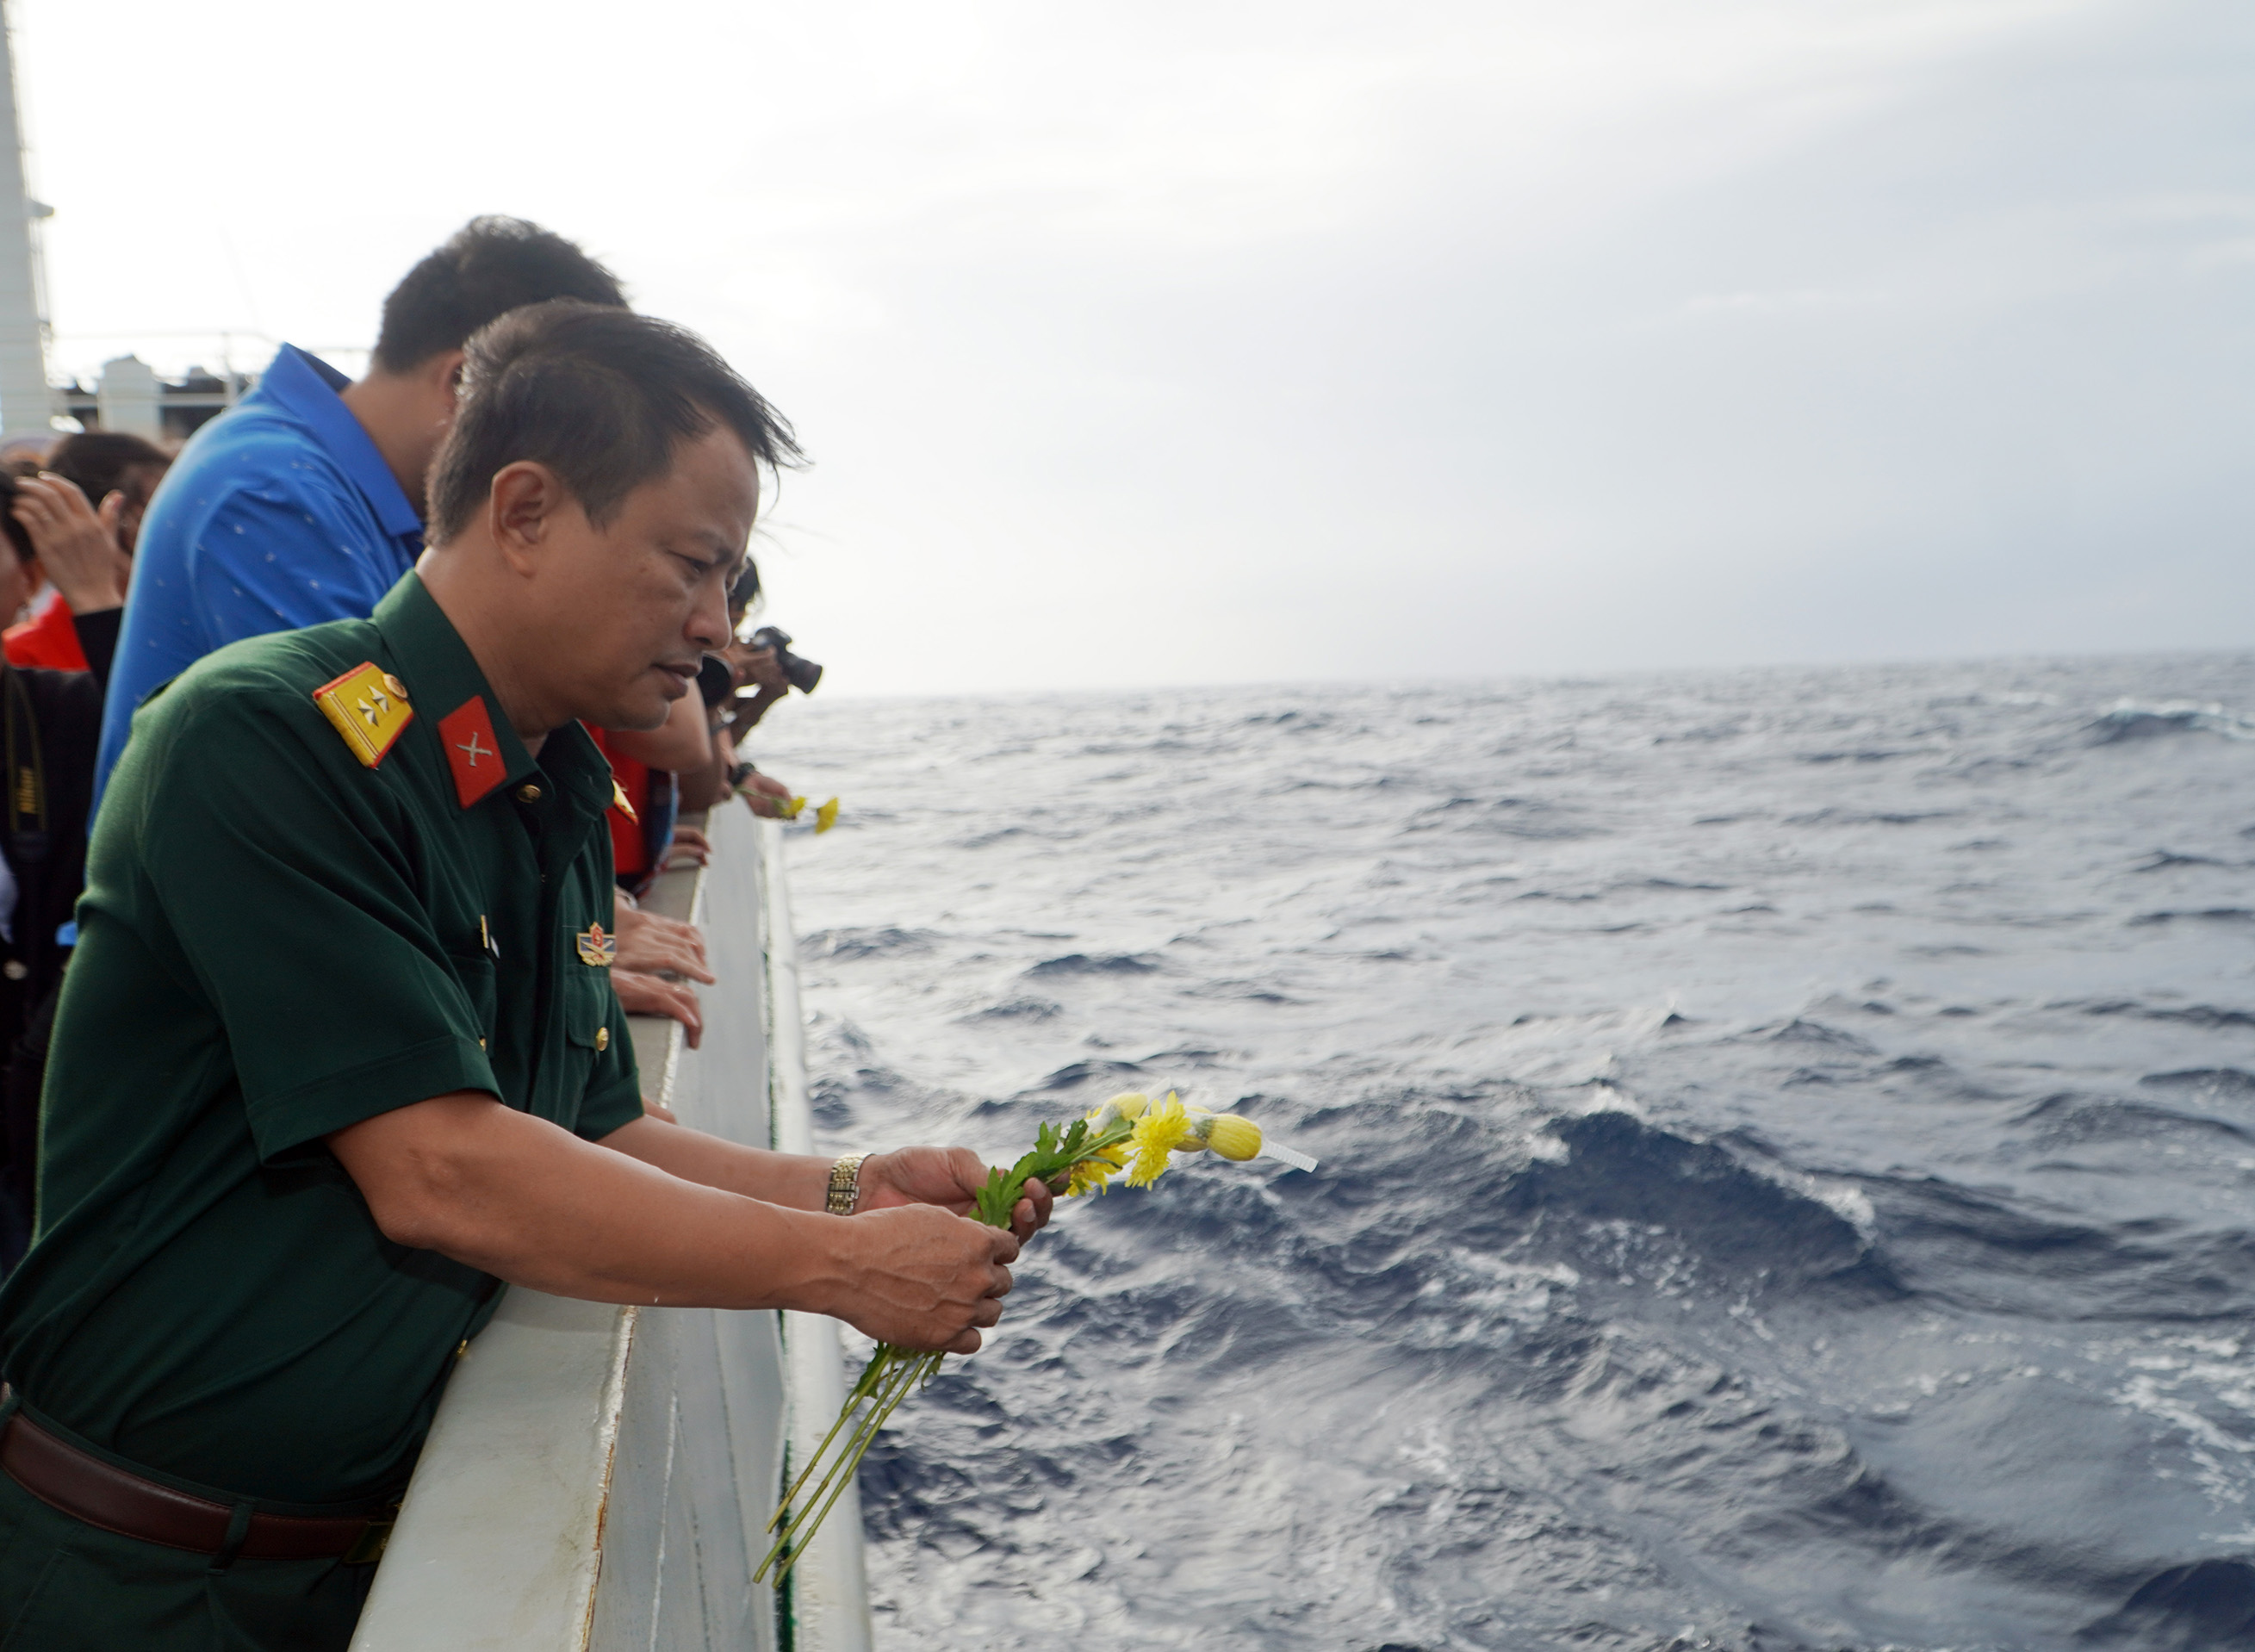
473	753
369	707
596	948
619	801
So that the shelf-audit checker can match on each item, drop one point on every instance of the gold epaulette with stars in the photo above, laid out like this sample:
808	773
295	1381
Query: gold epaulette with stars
369	706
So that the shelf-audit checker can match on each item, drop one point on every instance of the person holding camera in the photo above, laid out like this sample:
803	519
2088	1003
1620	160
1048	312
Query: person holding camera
736	667
762	662
85	508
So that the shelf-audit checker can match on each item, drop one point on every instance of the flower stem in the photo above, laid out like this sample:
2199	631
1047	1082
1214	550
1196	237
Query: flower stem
886	1357
899	1378
852	1462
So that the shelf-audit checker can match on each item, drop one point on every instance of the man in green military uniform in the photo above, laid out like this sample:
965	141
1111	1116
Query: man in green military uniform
339	1055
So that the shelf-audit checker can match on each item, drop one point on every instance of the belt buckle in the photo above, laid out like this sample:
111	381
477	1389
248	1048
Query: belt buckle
368	1547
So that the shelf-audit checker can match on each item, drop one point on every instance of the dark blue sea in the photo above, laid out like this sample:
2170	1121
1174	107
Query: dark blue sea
1788	1152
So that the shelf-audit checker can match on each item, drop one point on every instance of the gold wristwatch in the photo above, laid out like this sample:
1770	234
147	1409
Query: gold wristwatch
844	1186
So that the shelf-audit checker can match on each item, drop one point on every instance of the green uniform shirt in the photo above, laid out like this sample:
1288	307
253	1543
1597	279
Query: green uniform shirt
276	941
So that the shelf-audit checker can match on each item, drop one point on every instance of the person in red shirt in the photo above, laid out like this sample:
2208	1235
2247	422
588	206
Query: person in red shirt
74	551
49	639
97	480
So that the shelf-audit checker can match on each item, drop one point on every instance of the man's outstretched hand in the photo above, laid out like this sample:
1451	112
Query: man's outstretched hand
947	1177
924	1279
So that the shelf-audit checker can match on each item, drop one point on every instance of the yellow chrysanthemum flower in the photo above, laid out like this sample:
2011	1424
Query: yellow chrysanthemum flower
1091	1174
1157	1134
825	817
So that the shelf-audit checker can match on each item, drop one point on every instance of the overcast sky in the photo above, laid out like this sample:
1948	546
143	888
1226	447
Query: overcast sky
1179	344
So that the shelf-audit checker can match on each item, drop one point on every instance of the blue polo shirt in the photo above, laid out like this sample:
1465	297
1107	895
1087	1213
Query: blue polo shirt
281	514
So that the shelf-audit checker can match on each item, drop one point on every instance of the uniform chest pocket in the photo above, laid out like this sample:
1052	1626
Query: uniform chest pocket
589	1006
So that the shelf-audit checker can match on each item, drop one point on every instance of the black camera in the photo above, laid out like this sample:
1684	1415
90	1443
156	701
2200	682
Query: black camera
801	674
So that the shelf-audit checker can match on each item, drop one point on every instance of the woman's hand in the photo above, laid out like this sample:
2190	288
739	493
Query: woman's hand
764	794
755	667
77	545
759	666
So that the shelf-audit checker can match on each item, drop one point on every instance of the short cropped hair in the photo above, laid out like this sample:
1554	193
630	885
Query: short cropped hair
601	397
100	462
488	267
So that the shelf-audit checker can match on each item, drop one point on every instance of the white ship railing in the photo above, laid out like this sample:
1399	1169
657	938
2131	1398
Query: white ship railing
601	1478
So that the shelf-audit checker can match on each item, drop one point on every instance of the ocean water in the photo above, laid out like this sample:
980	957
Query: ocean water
1788	1152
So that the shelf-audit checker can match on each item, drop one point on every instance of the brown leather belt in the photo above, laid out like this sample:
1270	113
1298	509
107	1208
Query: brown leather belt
85	1487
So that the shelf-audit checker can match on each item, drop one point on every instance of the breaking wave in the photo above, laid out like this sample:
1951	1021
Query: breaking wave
2133	720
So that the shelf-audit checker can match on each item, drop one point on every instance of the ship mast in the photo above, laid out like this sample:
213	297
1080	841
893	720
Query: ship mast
26	403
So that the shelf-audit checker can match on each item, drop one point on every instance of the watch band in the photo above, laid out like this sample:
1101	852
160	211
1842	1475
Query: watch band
844	1186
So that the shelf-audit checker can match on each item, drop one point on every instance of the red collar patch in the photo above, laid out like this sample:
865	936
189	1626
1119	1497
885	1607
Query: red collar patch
473	753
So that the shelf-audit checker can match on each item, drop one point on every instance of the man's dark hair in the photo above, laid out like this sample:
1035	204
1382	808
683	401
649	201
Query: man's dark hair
487	268
100	462
601	397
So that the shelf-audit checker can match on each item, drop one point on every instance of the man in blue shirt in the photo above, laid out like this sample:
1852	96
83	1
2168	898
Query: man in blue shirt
304	503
